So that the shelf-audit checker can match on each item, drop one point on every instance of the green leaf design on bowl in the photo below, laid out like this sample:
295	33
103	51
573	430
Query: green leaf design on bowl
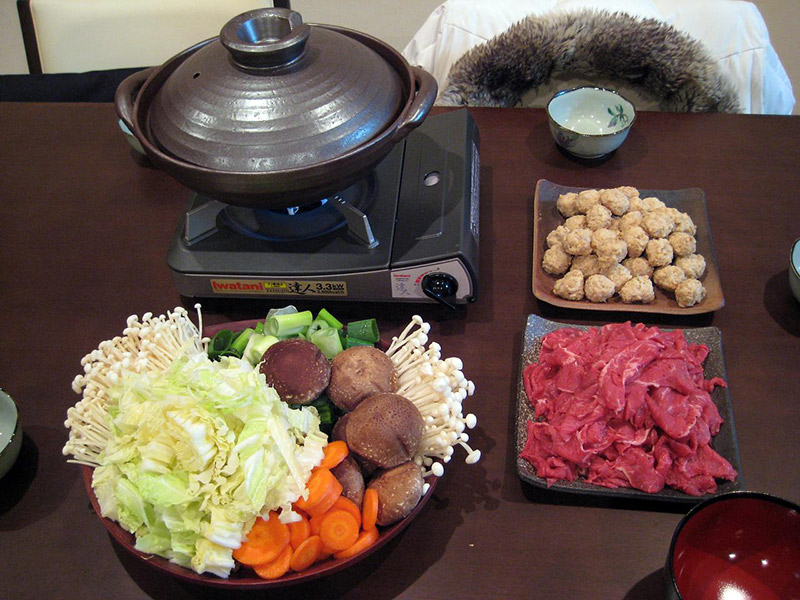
618	116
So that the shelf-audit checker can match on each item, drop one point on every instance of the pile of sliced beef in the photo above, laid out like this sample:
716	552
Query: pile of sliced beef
624	406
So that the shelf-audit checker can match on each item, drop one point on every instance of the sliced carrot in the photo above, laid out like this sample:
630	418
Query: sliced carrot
364	541
325	553
315	524
369	510
307	553
319	486
335	452
343	503
276	568
339	530
299	531
265	541
327	501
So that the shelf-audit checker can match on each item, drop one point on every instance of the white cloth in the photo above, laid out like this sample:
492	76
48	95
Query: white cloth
733	32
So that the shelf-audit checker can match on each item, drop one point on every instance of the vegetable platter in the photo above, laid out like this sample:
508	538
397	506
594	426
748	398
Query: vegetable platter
204	458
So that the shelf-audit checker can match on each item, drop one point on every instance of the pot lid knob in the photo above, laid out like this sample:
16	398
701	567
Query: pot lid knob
265	38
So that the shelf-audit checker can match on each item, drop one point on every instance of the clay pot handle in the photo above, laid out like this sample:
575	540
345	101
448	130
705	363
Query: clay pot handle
125	96
425	92
265	38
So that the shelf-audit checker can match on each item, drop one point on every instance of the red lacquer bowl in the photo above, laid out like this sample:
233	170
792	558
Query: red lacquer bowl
741	545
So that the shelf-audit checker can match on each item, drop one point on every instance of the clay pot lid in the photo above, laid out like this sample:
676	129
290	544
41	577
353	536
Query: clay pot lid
273	93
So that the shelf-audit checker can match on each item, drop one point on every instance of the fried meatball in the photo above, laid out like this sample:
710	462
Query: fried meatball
639	267
693	265
629	191
615	200
684	223
636	238
683	244
611	252
599	288
601	236
576	222
630	218
555	261
588	264
657	224
586	200
636	204
619	274
556	237
578	242
598	217
638	289
659	252
689	292
570	287
652	203
566	204
668	278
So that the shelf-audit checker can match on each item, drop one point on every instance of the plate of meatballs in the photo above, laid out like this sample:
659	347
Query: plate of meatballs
624	249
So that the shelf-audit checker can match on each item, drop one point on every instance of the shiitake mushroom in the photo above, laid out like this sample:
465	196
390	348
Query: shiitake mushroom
359	372
399	491
349	474
384	430
297	369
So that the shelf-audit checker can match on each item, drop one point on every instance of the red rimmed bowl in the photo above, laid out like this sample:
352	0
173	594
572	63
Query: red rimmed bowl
736	546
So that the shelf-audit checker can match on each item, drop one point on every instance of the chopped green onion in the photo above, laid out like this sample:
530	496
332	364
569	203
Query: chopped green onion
366	330
240	341
259	328
256	346
316	325
329	319
220	343
328	341
284	325
349	342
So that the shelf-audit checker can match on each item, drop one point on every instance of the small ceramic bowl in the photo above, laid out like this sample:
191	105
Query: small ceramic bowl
10	433
736	545
794	269
590	122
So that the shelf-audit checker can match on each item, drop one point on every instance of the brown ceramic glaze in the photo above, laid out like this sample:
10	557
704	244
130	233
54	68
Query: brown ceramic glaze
275	112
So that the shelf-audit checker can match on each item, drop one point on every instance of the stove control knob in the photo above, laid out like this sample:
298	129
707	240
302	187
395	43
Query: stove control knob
440	286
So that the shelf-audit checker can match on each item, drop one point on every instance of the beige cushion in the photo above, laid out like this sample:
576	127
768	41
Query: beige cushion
88	35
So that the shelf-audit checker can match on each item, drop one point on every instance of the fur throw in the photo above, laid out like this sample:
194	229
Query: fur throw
662	65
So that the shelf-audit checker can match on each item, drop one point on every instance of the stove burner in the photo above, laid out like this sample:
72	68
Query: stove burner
302	222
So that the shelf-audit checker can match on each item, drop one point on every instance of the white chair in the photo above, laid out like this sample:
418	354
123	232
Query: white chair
76	36
732	31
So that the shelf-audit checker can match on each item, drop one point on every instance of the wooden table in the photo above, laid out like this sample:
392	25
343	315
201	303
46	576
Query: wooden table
84	236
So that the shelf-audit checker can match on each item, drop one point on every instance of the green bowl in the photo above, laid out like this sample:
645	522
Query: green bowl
10	433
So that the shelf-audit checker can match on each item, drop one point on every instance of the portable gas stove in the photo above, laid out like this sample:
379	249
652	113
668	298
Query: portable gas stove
407	232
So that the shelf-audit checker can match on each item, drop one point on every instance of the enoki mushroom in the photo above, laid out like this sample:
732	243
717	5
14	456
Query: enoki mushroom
438	388
147	344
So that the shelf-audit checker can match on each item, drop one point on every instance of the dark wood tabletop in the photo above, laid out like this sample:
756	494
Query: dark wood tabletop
85	230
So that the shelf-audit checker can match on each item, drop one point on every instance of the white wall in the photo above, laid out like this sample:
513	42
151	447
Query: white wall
395	23
389	20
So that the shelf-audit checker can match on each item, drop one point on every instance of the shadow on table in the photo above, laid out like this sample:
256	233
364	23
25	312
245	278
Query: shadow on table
781	305
649	588
19	478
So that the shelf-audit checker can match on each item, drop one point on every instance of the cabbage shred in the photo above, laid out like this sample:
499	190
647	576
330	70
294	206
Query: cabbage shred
198	451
